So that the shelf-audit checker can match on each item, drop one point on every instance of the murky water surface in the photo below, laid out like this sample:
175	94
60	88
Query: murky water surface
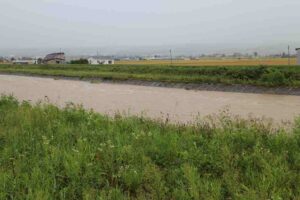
177	104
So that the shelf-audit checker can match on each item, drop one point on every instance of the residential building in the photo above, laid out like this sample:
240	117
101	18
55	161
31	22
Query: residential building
94	61
55	58
25	62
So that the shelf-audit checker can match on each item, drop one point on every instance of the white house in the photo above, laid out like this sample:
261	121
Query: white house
25	62
94	61
298	56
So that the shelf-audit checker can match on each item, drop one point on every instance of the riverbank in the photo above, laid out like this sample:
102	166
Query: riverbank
49	153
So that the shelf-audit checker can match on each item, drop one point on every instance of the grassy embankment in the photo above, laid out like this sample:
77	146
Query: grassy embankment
49	153
270	76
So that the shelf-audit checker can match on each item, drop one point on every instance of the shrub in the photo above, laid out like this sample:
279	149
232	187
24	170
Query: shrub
274	77
80	61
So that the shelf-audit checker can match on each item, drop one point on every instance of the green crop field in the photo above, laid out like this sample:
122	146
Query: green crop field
71	153
269	76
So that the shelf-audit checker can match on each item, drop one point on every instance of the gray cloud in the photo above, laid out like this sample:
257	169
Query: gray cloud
76	23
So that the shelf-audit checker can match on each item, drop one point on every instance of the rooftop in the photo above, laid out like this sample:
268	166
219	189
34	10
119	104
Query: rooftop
53	56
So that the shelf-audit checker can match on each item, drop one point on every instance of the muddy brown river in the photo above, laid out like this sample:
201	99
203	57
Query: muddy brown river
178	105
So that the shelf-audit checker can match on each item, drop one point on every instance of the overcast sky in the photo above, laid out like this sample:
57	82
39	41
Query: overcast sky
86	23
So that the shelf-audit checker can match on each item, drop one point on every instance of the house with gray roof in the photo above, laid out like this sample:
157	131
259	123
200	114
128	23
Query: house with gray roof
55	58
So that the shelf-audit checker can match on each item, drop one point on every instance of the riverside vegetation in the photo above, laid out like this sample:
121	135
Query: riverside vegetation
70	153
268	76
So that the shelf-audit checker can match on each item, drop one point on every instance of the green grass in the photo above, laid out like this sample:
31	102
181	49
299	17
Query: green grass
70	153
271	76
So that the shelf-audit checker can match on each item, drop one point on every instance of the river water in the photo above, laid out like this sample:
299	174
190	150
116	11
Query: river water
178	105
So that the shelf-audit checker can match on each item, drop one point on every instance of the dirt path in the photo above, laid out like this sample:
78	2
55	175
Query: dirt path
156	102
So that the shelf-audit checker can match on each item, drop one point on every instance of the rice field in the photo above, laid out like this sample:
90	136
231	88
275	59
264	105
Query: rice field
214	62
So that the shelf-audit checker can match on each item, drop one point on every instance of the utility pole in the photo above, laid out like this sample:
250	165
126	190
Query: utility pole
289	55
171	57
